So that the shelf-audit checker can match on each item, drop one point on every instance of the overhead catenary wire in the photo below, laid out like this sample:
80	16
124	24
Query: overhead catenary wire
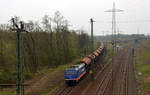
130	21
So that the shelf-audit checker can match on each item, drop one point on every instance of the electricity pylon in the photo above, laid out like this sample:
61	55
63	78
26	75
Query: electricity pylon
113	11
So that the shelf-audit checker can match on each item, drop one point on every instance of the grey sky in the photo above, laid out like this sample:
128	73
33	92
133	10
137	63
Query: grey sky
78	12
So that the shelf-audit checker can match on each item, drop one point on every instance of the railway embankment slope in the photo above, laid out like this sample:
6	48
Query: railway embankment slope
143	67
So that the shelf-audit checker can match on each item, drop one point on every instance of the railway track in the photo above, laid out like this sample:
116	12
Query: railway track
123	75
104	84
132	85
120	75
107	66
126	80
65	91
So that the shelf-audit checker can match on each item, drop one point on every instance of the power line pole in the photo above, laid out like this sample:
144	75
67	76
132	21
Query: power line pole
92	49
138	32
118	33
113	11
117	39
20	66
92	40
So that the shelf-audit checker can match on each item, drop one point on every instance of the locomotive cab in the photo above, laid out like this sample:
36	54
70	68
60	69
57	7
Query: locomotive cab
74	73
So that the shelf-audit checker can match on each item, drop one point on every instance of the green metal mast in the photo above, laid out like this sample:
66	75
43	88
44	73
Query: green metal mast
92	41
20	66
92	49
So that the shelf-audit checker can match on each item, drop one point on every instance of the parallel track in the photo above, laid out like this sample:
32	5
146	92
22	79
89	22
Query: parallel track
65	91
100	72
103	85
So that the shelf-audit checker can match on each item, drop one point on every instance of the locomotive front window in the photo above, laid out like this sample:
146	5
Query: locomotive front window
70	72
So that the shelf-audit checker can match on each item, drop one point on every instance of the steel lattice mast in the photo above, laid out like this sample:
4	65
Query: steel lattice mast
113	11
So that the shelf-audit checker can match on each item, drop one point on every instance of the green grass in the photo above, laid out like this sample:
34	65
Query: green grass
144	86
6	93
141	63
61	67
143	67
53	89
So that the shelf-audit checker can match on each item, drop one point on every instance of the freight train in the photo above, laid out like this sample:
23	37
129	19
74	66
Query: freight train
76	72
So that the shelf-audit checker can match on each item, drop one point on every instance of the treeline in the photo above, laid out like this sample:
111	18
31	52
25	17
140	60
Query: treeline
48	44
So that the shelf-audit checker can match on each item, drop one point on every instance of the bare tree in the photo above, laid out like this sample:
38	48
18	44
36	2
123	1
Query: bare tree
58	20
30	46
47	23
4	27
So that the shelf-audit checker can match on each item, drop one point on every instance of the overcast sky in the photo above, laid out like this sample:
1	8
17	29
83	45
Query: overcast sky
78	12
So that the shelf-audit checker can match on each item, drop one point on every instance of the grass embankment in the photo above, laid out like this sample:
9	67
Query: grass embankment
143	67
6	93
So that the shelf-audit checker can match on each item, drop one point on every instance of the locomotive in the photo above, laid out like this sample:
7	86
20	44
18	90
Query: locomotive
75	72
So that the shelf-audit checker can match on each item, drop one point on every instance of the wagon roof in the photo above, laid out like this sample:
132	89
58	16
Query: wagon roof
98	51
86	60
95	53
